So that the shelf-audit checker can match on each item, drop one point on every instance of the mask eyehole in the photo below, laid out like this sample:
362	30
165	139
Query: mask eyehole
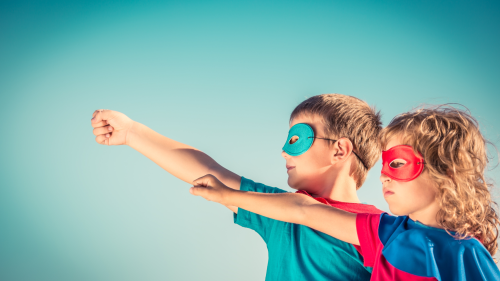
397	163
293	139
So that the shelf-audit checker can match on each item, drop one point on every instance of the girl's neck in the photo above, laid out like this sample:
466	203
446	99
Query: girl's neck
427	216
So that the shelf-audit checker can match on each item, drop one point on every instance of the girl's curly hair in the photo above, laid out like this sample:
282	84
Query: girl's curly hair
454	152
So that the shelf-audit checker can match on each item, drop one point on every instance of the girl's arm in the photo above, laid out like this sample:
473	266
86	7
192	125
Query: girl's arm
288	207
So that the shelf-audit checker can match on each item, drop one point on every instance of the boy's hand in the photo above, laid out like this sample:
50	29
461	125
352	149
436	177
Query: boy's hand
111	127
210	188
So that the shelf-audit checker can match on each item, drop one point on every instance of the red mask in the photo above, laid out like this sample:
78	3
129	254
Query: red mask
409	171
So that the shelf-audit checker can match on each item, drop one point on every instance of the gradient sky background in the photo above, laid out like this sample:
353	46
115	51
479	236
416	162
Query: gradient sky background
222	76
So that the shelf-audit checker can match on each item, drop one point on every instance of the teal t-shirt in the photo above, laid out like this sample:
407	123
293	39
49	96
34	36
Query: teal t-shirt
297	252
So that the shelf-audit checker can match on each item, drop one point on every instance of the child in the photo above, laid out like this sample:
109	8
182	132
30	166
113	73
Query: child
338	146
432	178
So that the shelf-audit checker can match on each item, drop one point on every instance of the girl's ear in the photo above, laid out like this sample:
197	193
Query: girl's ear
450	175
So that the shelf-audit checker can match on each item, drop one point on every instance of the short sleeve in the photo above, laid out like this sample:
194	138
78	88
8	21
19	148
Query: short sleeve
262	225
369	242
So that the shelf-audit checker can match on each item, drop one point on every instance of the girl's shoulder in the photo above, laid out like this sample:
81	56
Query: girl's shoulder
402	227
405	239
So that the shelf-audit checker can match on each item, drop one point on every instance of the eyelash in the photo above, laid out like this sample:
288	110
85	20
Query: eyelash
395	164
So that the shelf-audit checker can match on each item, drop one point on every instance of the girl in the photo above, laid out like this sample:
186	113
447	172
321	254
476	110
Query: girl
432	179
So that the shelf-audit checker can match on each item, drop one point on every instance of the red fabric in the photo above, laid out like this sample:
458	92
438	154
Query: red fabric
384	271
367	228
409	171
355	208
348	207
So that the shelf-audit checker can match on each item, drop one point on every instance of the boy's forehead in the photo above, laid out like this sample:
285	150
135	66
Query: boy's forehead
313	120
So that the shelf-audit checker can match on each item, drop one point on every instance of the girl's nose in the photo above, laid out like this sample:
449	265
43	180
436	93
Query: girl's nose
384	178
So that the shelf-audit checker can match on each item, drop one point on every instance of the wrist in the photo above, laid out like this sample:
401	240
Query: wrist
134	133
228	197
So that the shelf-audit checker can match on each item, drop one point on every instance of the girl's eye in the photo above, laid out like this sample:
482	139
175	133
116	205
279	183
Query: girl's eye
398	163
293	139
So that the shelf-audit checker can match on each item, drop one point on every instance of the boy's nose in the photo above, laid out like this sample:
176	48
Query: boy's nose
284	154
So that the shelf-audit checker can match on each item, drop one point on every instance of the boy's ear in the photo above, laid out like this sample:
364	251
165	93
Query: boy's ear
342	148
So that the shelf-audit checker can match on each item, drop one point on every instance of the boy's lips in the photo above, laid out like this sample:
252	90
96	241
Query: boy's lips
288	168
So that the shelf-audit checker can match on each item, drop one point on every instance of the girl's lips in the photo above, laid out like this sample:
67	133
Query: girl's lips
288	168
388	193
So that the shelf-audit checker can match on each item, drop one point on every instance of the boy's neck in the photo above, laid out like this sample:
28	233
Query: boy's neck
339	188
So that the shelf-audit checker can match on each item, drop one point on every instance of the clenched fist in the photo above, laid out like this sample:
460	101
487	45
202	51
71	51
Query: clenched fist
210	188
111	127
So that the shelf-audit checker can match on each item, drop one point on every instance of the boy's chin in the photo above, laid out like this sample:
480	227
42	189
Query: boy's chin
296	186
292	184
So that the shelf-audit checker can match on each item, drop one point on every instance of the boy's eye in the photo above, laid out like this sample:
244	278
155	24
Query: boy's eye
398	163
293	139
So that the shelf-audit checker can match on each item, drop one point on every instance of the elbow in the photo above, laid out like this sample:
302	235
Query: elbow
301	215
301	218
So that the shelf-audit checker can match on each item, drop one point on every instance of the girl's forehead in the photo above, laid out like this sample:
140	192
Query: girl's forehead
394	141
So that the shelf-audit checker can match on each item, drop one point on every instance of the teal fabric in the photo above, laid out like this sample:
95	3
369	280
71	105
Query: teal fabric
306	138
297	252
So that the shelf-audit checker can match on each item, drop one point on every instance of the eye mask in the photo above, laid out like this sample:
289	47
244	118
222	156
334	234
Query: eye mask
300	139
409	171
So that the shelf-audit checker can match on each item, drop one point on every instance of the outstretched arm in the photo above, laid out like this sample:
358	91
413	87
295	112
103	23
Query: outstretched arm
288	207
181	160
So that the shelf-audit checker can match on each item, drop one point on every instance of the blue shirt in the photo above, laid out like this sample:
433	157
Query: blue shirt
297	252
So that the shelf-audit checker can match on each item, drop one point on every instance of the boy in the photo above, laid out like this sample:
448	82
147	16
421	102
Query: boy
338	139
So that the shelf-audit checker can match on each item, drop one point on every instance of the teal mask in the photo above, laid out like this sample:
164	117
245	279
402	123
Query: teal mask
300	139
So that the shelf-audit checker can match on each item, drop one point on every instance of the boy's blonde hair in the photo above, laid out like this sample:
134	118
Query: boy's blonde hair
454	152
352	118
